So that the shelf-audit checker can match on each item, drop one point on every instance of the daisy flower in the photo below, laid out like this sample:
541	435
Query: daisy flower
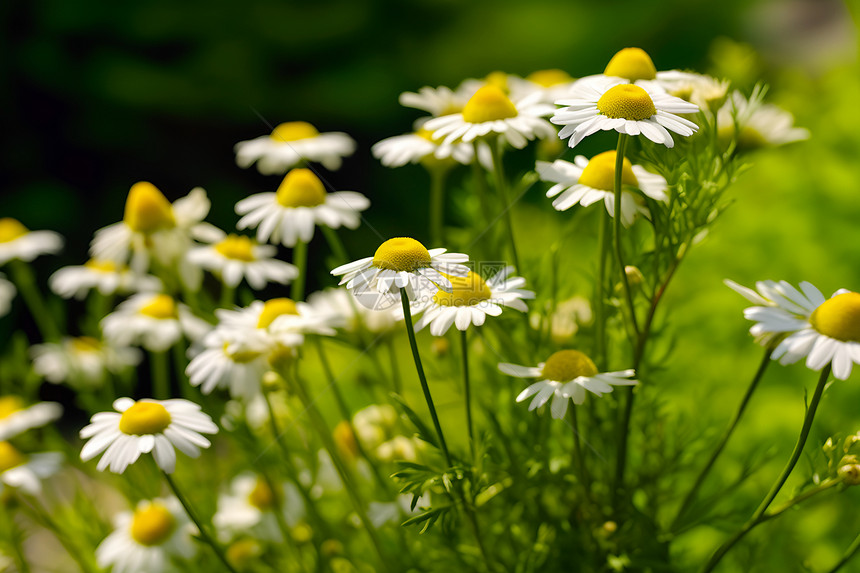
824	331
153	227
147	539
471	300
7	293
290	214
154	321
106	277
438	101
251	503
25	472
16	417
419	147
17	242
708	93
350	316
146	426
293	143
585	182
398	263
235	257
490	111
754	124
551	84
567	374
82	362
624	107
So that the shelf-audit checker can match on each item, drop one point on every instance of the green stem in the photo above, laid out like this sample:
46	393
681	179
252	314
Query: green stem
410	331
160	375
279	516
502	188
82	558
811	492
777	486
849	554
600	297
335	244
300	259
619	166
204	534
577	451
464	351
25	280
691	495
437	205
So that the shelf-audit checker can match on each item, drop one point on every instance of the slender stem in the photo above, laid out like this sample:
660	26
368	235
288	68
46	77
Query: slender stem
410	331
279	515
849	553
335	244
599	296
204	534
502	188
691	495
437	204
577	450
464	350
619	166
777	486
228	295
160	374
811	492
300	259
23	276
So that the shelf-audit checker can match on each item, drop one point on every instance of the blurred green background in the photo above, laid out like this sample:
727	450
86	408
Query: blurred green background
97	95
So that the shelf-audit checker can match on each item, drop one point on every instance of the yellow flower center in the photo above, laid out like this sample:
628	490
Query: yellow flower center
425	133
626	101
600	172
11	229
488	104
144	418
242	552
101	266
161	306
9	405
549	78
237	247
632	64
262	497
467	291
293	131
839	317
274	308
301	188
10	457
401	254
152	525
241	356
147	210
85	344
565	365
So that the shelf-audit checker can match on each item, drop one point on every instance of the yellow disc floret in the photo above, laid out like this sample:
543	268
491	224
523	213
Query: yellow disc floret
839	317
152	525
101	266
9	405
467	291
274	308
293	131
301	188
626	101
549	78
11	229
565	365
262	497
161	306
237	247
488	104
600	172
632	64
144	418
147	209
85	344
10	457
401	254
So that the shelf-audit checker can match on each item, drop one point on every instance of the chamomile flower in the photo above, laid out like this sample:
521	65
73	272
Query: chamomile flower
438	101
754	124
398	263
566	375
25	472
234	257
148	539
708	93
824	331
7	293
552	85
145	426
106	277
82	362
17	242
152	227
154	321
420	147
250	505
471	300
491	112
291	213
624	107
293	143
16	417
350	316
585	182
